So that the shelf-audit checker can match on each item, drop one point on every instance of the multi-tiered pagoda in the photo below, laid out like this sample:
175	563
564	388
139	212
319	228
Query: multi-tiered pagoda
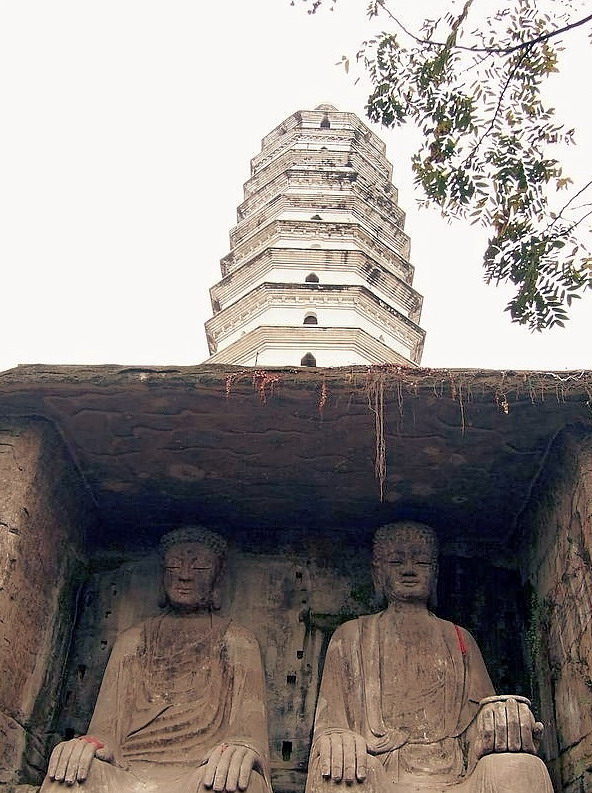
318	273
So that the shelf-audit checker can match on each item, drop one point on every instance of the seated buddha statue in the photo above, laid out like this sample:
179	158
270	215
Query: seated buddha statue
406	704
181	707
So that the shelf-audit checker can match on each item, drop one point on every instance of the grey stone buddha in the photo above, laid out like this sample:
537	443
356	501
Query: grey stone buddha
181	707
406	703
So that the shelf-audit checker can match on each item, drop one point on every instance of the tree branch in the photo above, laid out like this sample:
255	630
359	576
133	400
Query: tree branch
565	206
492	50
509	79
564	232
575	224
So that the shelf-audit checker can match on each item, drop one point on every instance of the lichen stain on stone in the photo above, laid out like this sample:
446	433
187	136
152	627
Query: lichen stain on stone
186	472
117	486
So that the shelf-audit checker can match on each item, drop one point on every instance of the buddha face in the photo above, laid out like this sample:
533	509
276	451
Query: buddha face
190	572
407	567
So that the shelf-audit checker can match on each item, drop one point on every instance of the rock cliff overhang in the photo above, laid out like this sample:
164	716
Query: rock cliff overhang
289	452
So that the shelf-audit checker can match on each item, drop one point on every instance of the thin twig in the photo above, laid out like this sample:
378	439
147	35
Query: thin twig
477	145
494	50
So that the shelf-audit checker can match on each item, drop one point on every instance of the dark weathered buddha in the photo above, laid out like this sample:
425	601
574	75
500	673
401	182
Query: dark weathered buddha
181	706
406	703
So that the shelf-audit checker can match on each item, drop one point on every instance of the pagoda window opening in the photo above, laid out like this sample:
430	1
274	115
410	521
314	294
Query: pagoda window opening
308	360
310	319
312	278
325	123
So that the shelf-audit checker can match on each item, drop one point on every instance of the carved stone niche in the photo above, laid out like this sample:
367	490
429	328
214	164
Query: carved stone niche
529	607
292	597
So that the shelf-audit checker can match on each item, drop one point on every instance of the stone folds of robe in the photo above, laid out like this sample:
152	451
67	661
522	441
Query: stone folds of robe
413	698
169	695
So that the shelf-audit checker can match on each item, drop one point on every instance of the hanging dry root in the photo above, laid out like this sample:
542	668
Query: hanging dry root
262	381
375	392
323	397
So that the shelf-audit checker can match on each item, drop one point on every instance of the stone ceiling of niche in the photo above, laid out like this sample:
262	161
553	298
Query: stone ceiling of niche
296	450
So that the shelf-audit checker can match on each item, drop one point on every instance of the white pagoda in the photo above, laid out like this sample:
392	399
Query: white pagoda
318	272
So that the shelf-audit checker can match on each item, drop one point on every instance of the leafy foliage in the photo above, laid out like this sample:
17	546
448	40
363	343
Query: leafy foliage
473	86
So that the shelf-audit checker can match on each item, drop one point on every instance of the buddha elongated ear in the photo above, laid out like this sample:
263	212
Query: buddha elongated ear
162	598
218	585
433	599
378	581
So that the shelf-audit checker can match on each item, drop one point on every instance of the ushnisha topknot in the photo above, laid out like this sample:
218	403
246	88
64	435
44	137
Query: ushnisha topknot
197	534
402	531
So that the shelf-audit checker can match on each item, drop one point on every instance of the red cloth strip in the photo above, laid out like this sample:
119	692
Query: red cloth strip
461	641
90	739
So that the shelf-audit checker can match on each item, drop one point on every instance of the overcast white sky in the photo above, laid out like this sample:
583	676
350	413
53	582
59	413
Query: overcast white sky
126	135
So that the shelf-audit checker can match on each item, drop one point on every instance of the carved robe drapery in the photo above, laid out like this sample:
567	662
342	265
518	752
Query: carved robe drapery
411	689
169	696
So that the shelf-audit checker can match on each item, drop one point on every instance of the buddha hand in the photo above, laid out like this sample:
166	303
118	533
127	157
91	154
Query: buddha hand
70	760
506	724
229	767
342	755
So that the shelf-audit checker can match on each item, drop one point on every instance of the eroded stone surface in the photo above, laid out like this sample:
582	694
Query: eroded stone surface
235	447
284	463
558	552
43	513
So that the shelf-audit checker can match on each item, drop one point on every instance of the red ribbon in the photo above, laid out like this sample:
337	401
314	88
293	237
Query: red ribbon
90	739
461	641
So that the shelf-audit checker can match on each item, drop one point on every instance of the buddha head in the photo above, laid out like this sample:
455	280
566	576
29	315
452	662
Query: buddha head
405	562
193	560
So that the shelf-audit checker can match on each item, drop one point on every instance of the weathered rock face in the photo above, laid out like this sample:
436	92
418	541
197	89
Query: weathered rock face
559	567
290	466
42	518
279	455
